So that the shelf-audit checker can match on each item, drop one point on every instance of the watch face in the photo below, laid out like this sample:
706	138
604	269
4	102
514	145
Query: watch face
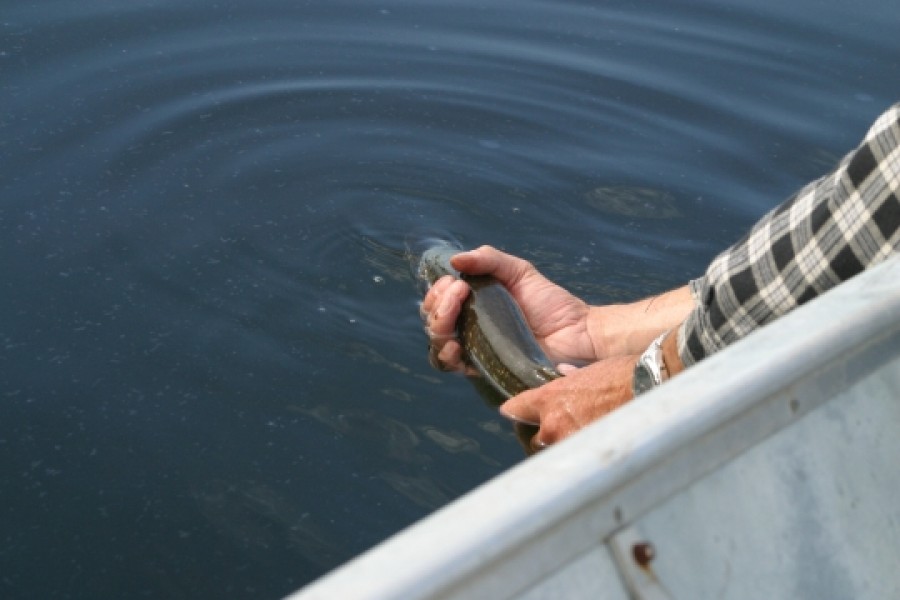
643	379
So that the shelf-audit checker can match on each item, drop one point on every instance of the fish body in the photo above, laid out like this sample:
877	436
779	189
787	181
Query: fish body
492	330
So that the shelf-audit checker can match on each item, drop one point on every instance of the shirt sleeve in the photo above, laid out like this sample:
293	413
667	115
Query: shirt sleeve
824	234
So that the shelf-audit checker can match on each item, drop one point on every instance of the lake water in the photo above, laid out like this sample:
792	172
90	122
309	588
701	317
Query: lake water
213	379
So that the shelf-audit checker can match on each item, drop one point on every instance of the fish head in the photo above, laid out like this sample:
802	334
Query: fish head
434	262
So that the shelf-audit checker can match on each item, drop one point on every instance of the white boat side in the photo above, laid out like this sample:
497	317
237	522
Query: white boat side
769	470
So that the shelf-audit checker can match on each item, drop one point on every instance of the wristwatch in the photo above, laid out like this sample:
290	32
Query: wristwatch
650	370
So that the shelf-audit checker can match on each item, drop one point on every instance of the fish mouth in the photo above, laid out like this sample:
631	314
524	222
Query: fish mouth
425	254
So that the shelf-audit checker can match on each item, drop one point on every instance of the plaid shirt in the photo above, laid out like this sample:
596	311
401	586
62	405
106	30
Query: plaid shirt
826	233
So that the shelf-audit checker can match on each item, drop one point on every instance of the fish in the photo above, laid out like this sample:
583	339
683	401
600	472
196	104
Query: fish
491	328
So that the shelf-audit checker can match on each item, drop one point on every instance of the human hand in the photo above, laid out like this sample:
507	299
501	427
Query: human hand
563	406
557	318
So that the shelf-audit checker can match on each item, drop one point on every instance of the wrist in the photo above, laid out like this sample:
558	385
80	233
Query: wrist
597	331
626	329
619	330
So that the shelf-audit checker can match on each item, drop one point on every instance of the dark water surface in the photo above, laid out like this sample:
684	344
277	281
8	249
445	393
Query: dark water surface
213	380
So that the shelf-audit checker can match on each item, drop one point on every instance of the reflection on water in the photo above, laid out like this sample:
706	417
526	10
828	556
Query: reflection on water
384	435
452	442
361	351
643	203
420	490
254	514
455	442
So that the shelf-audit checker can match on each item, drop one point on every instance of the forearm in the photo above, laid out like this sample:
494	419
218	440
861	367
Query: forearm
627	329
826	233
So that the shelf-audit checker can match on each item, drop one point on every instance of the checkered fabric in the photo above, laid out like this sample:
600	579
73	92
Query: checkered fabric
826	233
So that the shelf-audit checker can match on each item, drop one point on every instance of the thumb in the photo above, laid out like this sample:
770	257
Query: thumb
487	260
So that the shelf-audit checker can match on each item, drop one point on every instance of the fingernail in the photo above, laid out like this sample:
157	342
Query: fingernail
516	418
566	368
462	255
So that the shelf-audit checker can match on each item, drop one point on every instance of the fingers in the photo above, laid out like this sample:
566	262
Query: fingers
527	438
533	436
433	296
536	444
440	310
441	306
552	426
487	260
569	403
525	408
446	357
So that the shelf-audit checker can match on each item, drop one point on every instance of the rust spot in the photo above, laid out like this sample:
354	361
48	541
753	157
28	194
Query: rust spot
643	553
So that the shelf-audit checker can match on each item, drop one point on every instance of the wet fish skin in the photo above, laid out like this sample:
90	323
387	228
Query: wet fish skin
492	330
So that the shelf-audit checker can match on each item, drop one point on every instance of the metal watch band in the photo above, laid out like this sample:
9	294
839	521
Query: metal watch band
650	370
